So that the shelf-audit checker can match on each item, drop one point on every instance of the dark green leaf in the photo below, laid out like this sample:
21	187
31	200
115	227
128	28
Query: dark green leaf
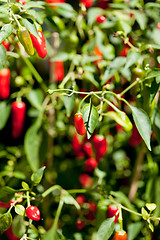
30	27
2	56
35	97
106	229
141	18
143	124
19	227
37	176
90	77
132	58
68	199
5	31
6	192
5	221
5	110
153	74
90	117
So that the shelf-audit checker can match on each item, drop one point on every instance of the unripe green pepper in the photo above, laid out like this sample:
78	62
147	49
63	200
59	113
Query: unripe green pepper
25	39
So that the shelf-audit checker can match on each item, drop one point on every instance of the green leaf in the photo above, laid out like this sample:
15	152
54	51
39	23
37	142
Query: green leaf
37	176
32	144
133	230
108	51
5	221
18	226
35	97
90	117
92	14
121	118
69	103
141	18
145	214
5	110
153	74
106	229
20	210
65	10
25	186
114	67
88	59
151	226
68	199
90	77
132	58
125	26
2	56
143	124
6	193
37	4
152	5
151	206
61	56
5	31
158	59
30	27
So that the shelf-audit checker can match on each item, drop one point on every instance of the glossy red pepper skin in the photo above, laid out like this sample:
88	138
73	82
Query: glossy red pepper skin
88	149
112	210
135	138
4	83
55	1
100	19
80	199
22	1
59	71
80	224
90	164
9	234
100	145
33	213
6	44
79	124
18	112
76	145
120	235
39	44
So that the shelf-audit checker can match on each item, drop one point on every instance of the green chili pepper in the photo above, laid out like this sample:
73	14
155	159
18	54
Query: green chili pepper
25	39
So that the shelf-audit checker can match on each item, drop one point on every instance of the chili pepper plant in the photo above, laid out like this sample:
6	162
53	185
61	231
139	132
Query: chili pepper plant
79	119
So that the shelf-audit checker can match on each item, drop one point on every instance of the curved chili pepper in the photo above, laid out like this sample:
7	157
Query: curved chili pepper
79	124
25	39
100	146
18	110
59	71
39	44
6	44
4	83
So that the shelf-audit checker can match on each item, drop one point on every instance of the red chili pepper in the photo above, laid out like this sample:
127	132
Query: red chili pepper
55	1
112	210
100	145
90	216
6	44
88	149
124	52
39	44
103	4
4	83
9	234
80	224
59	71
5	205
79	124
92	207
80	199
90	164
97	53
135	138
22	1
100	19
18	111
120	235
87	3
33	213
85	180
